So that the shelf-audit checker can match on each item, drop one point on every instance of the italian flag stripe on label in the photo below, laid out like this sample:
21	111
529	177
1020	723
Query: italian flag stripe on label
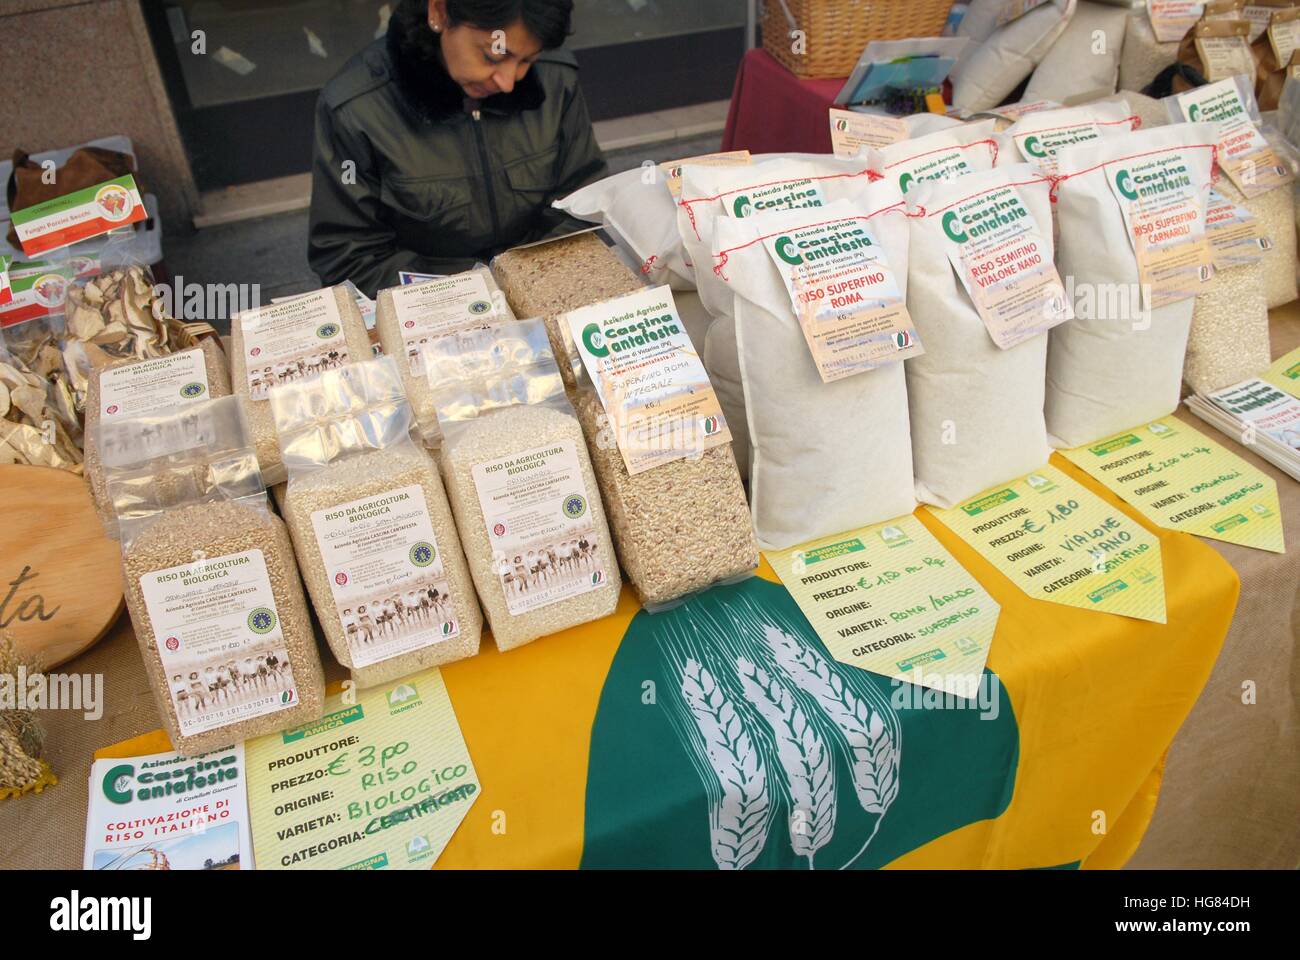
78	216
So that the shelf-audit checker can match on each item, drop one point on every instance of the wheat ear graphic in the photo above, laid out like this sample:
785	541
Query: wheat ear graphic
802	754
729	762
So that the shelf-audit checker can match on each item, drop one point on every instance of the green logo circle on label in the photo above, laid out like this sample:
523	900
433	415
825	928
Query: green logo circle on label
952	227
327	330
905	182
422	554
262	620
480	307
575	505
192	390
1124	182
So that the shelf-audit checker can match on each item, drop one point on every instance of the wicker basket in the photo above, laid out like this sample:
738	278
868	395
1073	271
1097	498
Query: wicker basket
836	31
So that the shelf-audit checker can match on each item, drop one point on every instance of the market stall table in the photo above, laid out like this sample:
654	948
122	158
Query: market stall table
765	89
573	751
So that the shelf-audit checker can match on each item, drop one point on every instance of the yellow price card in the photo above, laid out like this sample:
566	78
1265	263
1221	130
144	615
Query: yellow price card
1285	373
382	781
890	599
1058	541
1181	479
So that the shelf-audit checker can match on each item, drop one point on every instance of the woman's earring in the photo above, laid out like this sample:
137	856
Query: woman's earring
437	28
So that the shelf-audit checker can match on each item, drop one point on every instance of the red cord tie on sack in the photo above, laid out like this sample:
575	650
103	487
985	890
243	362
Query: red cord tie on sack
723	257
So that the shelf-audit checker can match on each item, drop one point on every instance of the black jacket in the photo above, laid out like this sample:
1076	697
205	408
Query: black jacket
435	186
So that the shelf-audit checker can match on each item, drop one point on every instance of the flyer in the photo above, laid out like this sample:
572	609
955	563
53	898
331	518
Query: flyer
890	599
1264	407
1181	479
380	782
853	132
649	377
162	811
1058	541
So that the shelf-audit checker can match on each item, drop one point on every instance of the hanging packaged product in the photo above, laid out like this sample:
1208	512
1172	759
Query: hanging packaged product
983	305
1245	156
1039	135
210	579
287	342
844	293
827	457
852	133
371	526
1120	360
410	316
130	388
1259	12
1219	49
548	279
1275	51
520	483
660	446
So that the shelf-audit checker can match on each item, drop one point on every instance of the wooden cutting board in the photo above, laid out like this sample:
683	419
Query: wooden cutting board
60	577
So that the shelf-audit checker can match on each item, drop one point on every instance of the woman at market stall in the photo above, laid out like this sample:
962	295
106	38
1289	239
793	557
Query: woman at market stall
445	141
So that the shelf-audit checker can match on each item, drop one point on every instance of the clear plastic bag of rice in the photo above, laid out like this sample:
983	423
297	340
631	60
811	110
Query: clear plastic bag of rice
371	526
287	342
210	579
407	317
132	387
659	442
549	279
520	483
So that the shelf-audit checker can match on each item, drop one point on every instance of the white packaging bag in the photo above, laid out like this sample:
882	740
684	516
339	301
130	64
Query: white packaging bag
826	457
1116	363
1003	54
976	409
1083	63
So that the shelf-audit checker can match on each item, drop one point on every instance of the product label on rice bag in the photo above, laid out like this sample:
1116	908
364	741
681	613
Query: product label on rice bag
1180	479
1171	19
672	170
1005	264
649	378
292	340
1059	541
1224	50
785	195
438	307
37	289
1164	210
537	511
1284	34
852	132
79	215
1040	146
217	633
391	594
1010	10
1234	233
169	381
1243	153
845	296
945	163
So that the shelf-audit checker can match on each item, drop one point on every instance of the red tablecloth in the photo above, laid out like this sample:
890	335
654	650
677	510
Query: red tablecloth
773	111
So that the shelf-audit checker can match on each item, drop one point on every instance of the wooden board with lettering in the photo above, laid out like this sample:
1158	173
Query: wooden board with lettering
60	577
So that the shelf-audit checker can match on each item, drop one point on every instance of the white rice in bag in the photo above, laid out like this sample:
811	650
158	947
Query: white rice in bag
976	409
826	457
1116	363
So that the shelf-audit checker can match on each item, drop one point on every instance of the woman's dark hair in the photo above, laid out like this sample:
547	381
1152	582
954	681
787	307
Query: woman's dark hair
547	20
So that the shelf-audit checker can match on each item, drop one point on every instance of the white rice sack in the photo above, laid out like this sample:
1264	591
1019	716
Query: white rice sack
1003	56
1116	363
943	155
640	215
722	363
1150	111
976	409
1143	56
710	193
1084	61
826	457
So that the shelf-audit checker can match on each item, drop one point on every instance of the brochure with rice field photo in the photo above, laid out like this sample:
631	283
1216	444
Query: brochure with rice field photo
163	811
